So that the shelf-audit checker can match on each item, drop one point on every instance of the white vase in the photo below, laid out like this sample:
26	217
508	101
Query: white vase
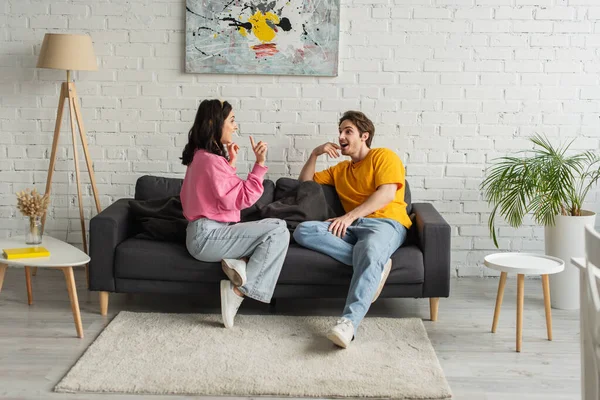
564	240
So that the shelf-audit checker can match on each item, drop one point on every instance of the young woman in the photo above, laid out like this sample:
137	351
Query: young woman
251	253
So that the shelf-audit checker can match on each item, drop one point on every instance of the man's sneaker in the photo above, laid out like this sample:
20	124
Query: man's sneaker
230	303
235	270
384	275
343	333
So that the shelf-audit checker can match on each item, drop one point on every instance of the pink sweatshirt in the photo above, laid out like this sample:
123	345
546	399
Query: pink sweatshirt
211	189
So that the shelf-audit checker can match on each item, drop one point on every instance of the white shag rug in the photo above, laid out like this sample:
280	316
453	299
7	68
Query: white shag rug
262	355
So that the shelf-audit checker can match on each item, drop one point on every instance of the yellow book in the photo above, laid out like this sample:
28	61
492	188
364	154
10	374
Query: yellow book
25	252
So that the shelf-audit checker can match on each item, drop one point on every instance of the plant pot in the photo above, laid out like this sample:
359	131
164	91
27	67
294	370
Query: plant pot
564	240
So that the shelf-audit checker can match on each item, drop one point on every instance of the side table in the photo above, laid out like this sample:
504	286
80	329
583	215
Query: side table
63	256
523	264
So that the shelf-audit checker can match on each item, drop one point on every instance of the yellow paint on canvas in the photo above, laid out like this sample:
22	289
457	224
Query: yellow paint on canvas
243	32
260	28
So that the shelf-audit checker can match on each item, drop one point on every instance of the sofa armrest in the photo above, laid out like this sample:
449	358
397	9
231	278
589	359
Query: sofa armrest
107	230
433	236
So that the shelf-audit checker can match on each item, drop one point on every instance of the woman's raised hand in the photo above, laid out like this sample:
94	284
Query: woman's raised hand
232	150
260	151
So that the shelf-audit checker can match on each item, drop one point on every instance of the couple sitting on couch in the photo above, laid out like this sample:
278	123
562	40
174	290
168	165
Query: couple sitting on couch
370	187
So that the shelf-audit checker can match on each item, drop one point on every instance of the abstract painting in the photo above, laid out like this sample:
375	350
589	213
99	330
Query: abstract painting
275	37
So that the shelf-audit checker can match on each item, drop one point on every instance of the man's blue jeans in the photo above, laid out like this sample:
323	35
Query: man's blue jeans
367	245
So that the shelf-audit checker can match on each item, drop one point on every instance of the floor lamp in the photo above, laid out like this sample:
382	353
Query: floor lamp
70	52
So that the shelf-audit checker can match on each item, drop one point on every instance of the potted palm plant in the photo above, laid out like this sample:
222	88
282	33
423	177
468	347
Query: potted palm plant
551	185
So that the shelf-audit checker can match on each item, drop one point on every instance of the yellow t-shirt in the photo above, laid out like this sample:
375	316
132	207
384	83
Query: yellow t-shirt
355	182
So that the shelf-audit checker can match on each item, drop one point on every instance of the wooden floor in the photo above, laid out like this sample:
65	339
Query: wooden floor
38	343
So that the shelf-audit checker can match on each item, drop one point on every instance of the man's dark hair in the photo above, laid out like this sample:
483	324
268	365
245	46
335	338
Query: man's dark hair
362	122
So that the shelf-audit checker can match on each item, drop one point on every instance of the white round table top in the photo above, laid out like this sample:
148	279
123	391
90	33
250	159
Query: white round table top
62	254
524	263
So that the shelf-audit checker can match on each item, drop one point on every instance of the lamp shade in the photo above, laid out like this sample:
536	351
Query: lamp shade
68	52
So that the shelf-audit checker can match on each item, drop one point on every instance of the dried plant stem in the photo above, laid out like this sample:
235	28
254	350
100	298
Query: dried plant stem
33	227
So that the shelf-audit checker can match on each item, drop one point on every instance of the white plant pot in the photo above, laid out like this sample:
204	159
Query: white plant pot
564	240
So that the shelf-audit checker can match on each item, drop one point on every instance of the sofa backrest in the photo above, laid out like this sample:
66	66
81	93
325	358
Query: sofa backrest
284	184
150	187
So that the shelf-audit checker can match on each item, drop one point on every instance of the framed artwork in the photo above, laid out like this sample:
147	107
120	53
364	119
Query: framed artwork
274	37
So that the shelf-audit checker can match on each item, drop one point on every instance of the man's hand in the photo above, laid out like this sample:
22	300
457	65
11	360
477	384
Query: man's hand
232	150
329	148
340	224
308	171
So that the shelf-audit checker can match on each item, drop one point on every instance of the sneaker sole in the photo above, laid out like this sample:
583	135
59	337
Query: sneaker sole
224	289
337	340
386	273
232	274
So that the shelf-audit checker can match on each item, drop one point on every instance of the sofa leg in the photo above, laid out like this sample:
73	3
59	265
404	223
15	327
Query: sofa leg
434	302
103	303
272	306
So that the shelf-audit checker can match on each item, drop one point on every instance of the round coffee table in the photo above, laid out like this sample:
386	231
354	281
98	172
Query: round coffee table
523	264
63	256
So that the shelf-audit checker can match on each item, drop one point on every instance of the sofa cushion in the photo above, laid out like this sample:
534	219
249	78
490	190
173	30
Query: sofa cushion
168	261
304	266
154	260
285	184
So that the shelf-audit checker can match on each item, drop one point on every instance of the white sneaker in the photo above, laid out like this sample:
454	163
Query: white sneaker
230	303
343	333
384	275
235	270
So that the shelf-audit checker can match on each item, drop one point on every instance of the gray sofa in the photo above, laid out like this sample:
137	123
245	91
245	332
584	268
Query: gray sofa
123	263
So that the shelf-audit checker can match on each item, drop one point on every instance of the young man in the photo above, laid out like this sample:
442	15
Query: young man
371	188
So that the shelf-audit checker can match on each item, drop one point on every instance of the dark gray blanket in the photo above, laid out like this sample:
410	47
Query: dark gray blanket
162	219
305	202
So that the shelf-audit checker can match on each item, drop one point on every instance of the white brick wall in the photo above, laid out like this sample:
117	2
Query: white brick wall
450	84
